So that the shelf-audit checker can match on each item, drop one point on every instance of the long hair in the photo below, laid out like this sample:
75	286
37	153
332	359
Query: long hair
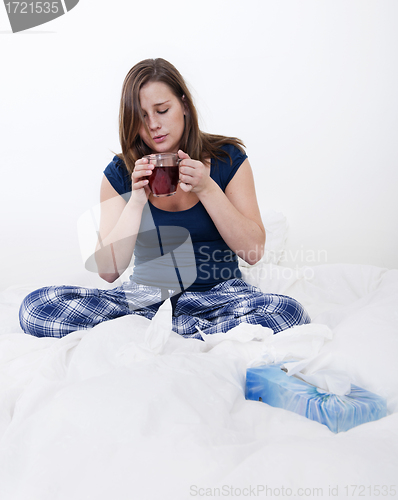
197	144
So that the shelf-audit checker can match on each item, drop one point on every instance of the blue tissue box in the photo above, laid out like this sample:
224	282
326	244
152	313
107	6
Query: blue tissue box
271	385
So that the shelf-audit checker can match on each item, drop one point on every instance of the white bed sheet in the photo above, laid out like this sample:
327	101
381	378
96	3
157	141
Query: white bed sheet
131	410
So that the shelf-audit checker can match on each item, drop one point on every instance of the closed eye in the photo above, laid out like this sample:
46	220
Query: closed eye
163	112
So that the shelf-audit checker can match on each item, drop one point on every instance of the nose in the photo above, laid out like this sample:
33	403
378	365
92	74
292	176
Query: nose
153	122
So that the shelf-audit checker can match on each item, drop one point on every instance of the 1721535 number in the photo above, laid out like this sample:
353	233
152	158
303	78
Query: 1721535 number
32	7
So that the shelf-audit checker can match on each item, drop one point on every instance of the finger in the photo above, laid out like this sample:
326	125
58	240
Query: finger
185	187
187	168
137	181
186	179
141	161
141	171
143	166
182	155
140	184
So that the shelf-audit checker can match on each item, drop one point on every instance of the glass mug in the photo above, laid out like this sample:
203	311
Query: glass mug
164	178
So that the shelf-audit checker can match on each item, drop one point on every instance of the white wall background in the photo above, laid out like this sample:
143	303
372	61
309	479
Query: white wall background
309	85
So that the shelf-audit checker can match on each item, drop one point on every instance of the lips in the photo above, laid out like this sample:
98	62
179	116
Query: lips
159	138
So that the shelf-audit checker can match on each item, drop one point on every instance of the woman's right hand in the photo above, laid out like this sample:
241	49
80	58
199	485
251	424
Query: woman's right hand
139	180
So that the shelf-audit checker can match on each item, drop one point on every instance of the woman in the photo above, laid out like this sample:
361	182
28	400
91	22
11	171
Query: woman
186	246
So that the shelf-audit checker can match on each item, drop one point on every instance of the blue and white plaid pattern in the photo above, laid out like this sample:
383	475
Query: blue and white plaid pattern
58	310
231	303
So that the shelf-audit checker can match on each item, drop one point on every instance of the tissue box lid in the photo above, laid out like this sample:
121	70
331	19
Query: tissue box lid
271	385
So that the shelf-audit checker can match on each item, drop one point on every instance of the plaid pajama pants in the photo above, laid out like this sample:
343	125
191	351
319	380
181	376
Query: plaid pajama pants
58	310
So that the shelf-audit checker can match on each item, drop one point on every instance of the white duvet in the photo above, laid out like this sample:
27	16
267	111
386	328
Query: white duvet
130	410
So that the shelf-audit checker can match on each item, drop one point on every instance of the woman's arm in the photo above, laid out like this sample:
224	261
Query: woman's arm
235	213
119	224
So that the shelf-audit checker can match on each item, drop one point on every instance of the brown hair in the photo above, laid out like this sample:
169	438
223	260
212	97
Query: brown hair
197	144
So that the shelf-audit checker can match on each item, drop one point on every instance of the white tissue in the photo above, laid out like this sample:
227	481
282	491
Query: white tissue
299	348
324	371
159	329
258	346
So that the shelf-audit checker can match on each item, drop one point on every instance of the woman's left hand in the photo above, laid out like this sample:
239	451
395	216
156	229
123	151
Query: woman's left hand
194	175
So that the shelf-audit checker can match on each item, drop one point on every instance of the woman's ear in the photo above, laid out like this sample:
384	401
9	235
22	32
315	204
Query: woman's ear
184	102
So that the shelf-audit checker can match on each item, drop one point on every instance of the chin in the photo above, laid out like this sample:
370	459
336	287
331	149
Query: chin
164	148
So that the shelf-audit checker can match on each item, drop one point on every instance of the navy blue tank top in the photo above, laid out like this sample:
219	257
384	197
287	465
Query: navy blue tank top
181	250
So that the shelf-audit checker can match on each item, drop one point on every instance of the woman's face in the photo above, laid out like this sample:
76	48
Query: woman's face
164	116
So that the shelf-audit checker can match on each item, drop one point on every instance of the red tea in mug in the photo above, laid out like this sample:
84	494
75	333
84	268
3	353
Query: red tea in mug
164	178
163	181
